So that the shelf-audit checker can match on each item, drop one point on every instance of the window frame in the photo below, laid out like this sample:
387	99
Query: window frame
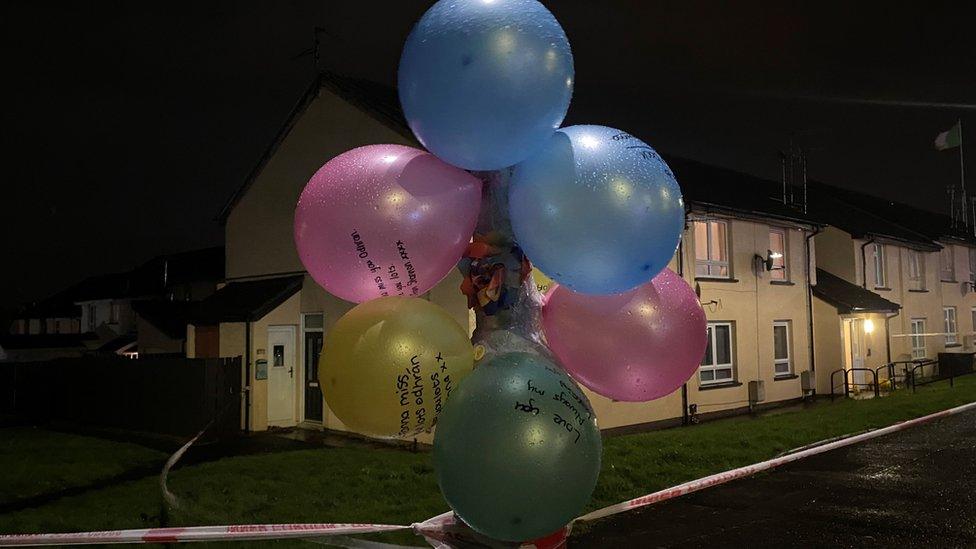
880	266
787	325
916	269
712	265
972	265
950	274
917	339
774	275
714	367
950	325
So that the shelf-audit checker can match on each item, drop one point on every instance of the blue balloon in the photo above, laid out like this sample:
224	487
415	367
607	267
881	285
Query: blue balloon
597	210
484	83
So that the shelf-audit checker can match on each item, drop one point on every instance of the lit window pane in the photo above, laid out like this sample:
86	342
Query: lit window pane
701	241
719	243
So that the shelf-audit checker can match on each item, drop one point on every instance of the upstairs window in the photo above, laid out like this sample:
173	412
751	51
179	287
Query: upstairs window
712	249
880	267
948	269
777	248
916	270
972	265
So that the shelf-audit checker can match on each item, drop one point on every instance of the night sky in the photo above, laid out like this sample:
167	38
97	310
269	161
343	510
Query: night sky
126	125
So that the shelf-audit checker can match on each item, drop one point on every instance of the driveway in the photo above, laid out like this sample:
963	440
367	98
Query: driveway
915	488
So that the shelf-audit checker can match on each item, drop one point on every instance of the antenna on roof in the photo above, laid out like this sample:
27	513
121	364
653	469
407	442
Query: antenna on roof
315	50
794	166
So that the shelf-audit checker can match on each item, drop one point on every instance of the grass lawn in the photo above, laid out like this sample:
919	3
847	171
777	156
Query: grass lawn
34	462
398	487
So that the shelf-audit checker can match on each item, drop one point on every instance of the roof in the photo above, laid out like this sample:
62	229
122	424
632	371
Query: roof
55	307
867	216
246	301
713	188
170	317
377	100
45	341
848	297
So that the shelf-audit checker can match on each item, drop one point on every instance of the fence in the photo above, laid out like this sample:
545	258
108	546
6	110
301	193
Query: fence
170	395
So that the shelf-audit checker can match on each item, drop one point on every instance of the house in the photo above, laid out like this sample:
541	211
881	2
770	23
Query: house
185	279
271	312
900	285
118	313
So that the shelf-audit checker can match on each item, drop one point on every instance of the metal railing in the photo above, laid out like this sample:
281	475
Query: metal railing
914	379
848	383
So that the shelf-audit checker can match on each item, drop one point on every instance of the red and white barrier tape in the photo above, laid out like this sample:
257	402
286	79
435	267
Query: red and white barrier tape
443	531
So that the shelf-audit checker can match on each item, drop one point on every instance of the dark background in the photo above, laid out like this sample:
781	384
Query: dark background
126	125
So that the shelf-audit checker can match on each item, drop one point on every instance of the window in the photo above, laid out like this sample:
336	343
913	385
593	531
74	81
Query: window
91	317
918	340
916	270
777	245
781	348
972	265
716	365
880	268
949	323
113	315
57	326
712	249
948	271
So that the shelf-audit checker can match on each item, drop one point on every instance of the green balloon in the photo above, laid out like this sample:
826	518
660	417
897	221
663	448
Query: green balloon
517	448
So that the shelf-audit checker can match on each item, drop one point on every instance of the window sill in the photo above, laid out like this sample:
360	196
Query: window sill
782	283
953	345
949	281
784	377
724	385
882	288
714	279
919	291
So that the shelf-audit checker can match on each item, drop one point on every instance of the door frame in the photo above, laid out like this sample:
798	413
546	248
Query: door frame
291	329
301	393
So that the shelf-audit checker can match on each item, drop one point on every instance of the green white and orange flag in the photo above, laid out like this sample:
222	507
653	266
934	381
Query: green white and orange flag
949	139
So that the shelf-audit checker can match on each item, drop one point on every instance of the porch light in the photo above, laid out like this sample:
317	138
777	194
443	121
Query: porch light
868	326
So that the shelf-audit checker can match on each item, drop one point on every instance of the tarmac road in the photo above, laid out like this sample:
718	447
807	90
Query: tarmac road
915	488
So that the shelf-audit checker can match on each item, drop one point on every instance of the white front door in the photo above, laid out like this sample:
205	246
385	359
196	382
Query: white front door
281	376
857	352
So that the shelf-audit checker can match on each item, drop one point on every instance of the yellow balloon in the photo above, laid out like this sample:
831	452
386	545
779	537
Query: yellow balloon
389	364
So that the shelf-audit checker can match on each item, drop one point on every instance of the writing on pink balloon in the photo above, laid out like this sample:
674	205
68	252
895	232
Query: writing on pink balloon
389	280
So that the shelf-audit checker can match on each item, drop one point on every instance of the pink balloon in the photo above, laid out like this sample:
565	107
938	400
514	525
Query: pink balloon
636	346
385	220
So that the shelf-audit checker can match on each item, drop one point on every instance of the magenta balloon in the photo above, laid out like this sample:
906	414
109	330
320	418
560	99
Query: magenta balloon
636	346
385	220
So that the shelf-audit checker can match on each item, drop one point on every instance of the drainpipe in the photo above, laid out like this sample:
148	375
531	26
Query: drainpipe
864	263
809	269
888	335
684	386
247	376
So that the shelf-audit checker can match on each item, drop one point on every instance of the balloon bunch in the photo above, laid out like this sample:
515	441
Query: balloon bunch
485	85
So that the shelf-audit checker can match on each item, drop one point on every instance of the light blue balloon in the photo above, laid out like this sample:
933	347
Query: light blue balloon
597	210
484	83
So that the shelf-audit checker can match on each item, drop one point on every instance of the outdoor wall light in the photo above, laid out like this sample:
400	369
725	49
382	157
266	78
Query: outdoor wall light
868	326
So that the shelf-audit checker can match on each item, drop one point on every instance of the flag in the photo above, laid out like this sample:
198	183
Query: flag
949	139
